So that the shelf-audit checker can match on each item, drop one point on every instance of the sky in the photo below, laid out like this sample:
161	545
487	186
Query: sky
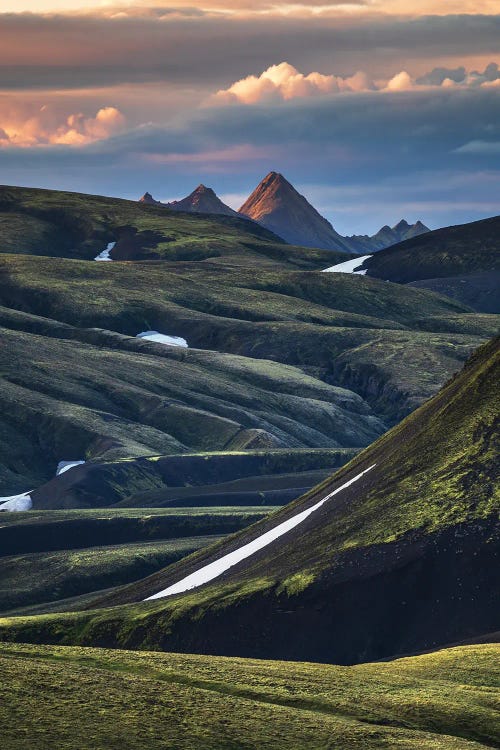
375	110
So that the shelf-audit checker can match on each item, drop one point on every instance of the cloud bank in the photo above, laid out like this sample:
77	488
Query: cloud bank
284	82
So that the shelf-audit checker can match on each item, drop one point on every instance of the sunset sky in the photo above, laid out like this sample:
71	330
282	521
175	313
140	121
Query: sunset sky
374	110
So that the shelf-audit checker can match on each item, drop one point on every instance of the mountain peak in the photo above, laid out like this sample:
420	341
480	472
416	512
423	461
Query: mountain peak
278	206
148	198
204	200
401	226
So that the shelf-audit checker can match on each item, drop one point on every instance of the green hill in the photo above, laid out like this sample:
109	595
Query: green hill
75	225
440	701
401	560
66	558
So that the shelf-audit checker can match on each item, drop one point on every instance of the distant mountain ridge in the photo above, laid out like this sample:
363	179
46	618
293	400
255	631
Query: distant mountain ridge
203	200
278	206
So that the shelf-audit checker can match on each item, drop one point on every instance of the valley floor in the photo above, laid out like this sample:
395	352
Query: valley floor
66	697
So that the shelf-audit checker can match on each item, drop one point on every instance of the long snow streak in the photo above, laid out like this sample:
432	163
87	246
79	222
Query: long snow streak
349	266
215	569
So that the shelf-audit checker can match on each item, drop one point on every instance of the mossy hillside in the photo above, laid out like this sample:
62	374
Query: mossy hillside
54	530
118	293
29	579
327	320
229	478
442	701
74	225
423	516
56	559
70	400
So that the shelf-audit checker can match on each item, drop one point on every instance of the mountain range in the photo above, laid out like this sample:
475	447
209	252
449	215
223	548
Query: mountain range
278	206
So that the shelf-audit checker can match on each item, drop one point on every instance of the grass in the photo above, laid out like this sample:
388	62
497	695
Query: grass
48	556
75	697
30	579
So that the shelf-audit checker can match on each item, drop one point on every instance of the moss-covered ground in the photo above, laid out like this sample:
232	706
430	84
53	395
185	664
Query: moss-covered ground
48	556
76	698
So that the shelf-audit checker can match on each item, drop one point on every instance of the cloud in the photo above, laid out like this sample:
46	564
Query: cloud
400	82
486	148
83	51
284	82
46	127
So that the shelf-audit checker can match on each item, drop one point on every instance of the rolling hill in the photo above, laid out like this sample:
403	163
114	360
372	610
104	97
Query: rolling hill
74	225
462	262
282	360
396	553
440	701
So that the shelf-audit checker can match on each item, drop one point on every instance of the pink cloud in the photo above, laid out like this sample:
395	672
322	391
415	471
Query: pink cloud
283	82
23	129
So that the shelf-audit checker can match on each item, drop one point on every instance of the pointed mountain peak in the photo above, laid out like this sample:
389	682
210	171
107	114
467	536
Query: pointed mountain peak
148	198
421	226
202	200
278	206
401	226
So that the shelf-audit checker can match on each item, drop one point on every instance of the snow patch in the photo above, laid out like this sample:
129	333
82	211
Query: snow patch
349	266
63	466
213	570
161	338
15	503
105	253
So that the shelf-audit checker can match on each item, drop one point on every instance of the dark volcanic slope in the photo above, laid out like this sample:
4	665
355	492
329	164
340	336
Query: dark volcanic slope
452	251
480	290
402	560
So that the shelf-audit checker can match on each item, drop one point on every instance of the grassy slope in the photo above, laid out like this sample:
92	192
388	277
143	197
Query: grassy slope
440	701
121	398
422	519
74	225
46	556
452	251
246	477
347	329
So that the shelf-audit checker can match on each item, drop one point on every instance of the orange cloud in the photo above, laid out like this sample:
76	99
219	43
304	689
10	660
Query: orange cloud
283	82
45	126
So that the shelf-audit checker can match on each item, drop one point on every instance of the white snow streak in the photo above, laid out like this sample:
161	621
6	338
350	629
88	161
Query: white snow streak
161	338
349	266
213	570
16	502
63	466
105	253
